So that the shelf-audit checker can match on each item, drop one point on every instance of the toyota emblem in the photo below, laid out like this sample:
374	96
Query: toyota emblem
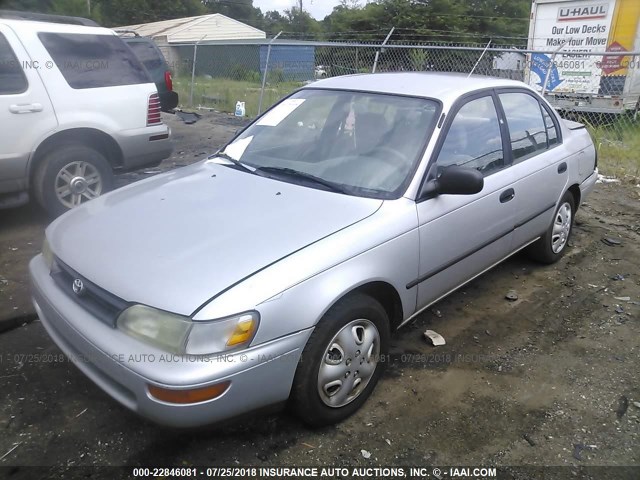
78	287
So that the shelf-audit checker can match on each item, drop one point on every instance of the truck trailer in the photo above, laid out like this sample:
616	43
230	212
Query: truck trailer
571	73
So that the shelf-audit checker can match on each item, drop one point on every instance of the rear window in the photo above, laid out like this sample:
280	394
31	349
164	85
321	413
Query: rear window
148	55
92	61
12	79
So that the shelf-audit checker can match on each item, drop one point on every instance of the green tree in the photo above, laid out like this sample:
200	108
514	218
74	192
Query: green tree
130	12
241	10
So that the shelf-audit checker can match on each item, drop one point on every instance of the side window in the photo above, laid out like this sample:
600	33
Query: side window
12	79
92	61
474	138
527	129
552	133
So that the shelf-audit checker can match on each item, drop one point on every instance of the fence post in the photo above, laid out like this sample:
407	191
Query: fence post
193	70
551	61
375	63
266	70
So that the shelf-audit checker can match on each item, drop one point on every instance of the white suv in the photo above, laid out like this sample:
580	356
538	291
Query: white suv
75	106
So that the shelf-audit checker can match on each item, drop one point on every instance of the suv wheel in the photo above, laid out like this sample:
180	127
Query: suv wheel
342	361
71	175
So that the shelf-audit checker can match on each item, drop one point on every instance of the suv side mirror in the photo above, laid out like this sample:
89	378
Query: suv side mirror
454	180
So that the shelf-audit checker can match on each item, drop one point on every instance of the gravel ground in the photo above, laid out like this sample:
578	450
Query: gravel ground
552	378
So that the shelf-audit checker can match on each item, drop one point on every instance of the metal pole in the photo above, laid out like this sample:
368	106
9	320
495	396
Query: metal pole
553	58
266	69
375	63
481	55
193	71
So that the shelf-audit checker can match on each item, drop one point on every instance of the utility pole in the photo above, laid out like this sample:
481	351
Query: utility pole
88	8
301	17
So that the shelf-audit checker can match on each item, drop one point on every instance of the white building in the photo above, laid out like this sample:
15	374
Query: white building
169	33
193	29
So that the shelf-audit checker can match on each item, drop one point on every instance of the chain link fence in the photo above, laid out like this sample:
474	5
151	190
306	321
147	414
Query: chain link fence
601	89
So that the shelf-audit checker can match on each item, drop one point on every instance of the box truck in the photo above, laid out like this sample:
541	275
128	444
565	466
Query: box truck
574	77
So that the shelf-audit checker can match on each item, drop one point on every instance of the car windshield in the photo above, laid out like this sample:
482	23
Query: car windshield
363	144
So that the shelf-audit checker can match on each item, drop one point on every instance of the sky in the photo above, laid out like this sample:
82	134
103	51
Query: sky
317	8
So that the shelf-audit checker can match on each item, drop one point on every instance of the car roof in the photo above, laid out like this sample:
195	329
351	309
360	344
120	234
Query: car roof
439	85
31	25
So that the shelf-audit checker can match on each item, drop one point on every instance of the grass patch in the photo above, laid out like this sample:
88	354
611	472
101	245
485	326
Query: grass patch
618	147
222	94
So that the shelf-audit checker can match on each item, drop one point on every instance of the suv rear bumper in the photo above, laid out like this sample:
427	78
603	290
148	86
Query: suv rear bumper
144	147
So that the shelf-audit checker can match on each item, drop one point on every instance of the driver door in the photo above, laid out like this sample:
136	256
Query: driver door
463	235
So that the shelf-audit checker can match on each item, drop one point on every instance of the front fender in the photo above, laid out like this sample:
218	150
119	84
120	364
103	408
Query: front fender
295	293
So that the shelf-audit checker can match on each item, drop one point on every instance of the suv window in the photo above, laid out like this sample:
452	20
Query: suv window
92	61
474	139
12	79
526	127
147	54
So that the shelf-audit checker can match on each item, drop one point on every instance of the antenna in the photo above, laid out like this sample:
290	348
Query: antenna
482	55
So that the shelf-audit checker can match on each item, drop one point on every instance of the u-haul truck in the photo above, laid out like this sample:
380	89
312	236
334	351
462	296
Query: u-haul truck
572	80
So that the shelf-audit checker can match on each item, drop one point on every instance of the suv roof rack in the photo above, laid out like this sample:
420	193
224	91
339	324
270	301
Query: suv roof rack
124	31
44	17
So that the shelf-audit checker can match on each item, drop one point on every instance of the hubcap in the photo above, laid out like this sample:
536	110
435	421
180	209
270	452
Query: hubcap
561	228
348	363
76	183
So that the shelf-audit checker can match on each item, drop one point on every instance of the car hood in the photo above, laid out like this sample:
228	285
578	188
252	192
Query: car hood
176	240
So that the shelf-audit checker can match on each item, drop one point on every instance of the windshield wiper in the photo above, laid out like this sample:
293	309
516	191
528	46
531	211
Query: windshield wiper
237	163
290	172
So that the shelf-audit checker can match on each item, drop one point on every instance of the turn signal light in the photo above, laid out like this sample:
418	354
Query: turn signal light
194	395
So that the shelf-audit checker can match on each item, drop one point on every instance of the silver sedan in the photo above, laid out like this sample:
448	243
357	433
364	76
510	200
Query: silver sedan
277	268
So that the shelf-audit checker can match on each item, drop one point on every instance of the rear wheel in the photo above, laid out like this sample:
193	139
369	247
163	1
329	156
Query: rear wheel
341	362
551	246
71	175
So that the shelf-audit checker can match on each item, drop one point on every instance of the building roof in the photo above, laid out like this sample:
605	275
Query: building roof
192	29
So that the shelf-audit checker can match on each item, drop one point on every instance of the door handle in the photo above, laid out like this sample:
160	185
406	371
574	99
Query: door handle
562	167
507	195
26	108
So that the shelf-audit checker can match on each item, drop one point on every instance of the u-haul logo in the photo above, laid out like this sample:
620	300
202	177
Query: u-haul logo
584	12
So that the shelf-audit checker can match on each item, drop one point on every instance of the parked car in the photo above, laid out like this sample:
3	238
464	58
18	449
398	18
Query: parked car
153	60
75	106
280	266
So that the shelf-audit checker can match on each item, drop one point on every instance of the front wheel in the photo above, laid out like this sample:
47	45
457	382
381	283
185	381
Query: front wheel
69	176
341	362
552	245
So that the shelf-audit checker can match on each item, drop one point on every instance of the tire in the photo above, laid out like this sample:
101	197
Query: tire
333	349
85	171
551	246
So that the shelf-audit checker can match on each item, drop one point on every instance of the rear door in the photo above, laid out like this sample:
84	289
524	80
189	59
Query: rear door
540	162
463	235
26	114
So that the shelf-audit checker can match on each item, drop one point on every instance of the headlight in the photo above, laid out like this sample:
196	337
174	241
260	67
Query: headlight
165	330
47	254
179	334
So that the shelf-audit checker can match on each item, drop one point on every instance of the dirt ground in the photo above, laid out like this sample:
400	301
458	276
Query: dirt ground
552	378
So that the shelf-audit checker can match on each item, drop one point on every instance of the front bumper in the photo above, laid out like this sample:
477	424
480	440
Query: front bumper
124	367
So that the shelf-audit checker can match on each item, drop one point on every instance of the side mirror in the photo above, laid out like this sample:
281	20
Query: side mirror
454	180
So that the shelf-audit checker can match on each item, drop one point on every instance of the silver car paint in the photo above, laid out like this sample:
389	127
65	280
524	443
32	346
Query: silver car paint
187	236
394	242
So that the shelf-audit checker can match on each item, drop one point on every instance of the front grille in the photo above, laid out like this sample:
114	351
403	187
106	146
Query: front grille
97	301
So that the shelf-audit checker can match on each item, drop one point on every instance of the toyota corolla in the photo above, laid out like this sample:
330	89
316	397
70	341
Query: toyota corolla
277	268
